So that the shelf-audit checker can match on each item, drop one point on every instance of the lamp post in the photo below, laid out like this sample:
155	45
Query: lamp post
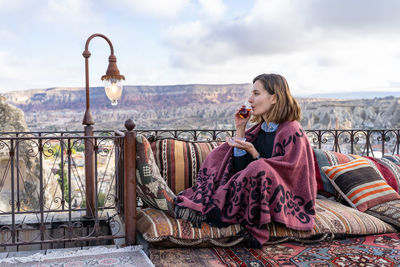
112	83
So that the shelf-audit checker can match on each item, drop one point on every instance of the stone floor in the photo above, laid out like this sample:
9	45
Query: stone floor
44	252
117	244
105	255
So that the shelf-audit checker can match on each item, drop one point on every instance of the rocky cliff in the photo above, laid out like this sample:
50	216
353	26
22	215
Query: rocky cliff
26	164
189	106
377	113
12	119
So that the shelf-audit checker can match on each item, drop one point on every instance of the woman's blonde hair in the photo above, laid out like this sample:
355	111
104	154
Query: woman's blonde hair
286	107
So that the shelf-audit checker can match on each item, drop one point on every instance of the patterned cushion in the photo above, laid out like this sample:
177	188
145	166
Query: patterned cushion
335	218
389	170
331	218
393	158
151	187
360	184
157	227
179	161
328	158
388	212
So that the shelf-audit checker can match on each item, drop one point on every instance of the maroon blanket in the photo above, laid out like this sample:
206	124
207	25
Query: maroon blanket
281	188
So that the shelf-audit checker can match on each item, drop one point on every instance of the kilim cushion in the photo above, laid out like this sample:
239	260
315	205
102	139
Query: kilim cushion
179	161
388	212
150	186
393	158
157	227
389	170
360	184
326	158
331	218
335	218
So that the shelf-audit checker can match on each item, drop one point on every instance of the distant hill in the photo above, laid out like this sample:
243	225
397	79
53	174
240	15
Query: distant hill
356	95
192	106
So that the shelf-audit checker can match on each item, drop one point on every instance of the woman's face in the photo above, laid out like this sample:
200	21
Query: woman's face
261	101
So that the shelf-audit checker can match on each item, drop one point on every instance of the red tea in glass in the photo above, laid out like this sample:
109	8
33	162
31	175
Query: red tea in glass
244	112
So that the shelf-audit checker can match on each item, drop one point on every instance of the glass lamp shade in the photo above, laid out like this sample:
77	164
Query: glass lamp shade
113	89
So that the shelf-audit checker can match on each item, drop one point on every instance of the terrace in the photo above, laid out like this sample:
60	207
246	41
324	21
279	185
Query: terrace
77	189
44	194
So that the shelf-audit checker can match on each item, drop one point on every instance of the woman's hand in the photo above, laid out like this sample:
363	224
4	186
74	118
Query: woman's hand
244	145
240	123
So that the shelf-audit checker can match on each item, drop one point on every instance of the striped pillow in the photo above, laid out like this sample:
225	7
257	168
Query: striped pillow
179	161
334	218
328	158
157	227
360	184
393	158
389	170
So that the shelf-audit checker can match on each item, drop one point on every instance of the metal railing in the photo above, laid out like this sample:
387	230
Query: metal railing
42	188
370	142
43	194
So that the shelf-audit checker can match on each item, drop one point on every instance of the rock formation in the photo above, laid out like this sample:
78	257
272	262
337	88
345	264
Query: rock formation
377	113
189	106
12	119
25	163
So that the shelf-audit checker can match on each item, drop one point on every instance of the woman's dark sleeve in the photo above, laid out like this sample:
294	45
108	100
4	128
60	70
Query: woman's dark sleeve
240	163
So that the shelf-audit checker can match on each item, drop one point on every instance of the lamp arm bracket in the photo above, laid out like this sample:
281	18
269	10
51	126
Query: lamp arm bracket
86	53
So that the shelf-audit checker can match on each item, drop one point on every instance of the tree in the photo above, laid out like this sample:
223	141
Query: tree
63	173
101	200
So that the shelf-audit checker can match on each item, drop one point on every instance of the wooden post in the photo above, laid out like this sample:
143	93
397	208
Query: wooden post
130	183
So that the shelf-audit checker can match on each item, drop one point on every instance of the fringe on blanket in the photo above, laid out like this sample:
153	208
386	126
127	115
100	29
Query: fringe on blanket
213	217
194	217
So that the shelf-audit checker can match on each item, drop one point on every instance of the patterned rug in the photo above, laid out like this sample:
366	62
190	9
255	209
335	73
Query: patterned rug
96	256
378	250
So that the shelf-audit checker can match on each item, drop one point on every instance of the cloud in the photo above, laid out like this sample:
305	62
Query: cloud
7	71
280	27
8	6
212	8
154	8
195	51
29	72
74	13
7	35
261	31
17	71
357	15
317	45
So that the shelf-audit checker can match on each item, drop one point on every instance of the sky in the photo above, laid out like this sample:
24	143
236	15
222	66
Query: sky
320	46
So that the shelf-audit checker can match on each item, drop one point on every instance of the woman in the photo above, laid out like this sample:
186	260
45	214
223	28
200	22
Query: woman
262	175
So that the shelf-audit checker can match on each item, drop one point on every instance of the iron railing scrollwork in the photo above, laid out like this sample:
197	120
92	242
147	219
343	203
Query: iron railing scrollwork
42	189
365	142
